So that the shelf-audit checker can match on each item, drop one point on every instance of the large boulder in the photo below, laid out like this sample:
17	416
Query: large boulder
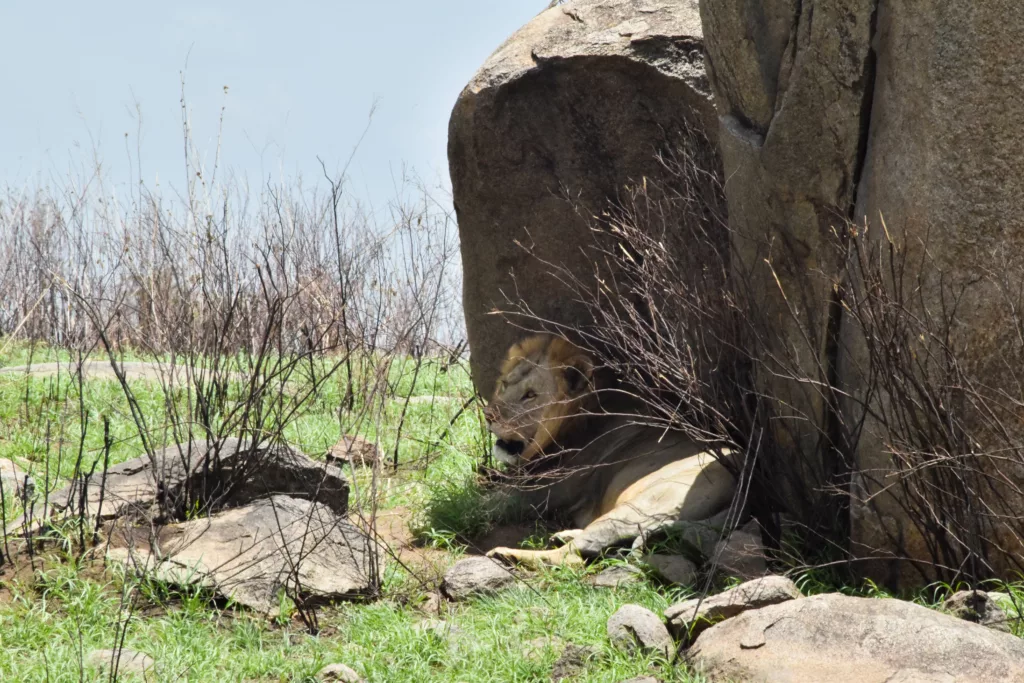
857	110
944	165
577	102
842	639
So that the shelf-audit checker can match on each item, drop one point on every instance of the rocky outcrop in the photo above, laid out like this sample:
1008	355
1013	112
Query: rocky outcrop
578	101
944	165
857	110
843	639
689	617
792	82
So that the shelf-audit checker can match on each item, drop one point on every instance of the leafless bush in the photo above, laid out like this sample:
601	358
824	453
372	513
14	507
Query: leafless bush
251	307
911	414
939	400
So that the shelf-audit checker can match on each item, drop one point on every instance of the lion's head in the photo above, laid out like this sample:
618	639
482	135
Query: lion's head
545	386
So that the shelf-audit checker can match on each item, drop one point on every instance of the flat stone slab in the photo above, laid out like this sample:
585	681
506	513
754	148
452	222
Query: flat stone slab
250	554
695	615
616	576
230	474
842	639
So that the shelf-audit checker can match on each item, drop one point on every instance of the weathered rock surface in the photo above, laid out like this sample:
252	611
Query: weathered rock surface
16	483
742	554
250	554
476	576
944	166
842	639
695	615
579	101
338	672
791	82
634	628
229	476
354	451
572	662
858	110
977	607
128	662
613	577
673	568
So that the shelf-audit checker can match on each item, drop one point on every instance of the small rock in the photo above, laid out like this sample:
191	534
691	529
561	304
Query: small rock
613	577
128	661
338	672
438	629
442	632
742	554
17	485
977	607
694	615
673	568
538	647
633	628
431	604
535	613
1007	603
475	576
572	662
354	451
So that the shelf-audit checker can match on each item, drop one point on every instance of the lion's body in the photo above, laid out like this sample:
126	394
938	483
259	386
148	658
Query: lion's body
616	479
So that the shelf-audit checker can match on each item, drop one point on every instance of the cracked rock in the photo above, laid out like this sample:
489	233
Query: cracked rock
695	615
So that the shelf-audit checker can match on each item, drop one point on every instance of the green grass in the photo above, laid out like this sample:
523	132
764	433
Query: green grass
48	619
44	628
51	617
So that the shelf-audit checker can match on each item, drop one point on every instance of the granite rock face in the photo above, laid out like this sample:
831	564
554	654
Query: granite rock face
577	102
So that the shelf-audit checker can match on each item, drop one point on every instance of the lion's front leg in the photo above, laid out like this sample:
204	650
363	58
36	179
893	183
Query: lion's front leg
565	556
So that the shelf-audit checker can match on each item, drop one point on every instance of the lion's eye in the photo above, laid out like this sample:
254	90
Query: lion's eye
529	395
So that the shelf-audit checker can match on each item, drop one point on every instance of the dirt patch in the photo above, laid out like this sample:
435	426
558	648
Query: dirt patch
503	535
428	564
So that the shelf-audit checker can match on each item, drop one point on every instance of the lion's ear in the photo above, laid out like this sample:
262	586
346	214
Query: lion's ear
579	374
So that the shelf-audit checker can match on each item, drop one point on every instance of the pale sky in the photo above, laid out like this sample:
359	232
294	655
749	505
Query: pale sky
302	78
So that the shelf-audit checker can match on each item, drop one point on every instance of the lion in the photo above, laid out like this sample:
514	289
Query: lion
618	480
